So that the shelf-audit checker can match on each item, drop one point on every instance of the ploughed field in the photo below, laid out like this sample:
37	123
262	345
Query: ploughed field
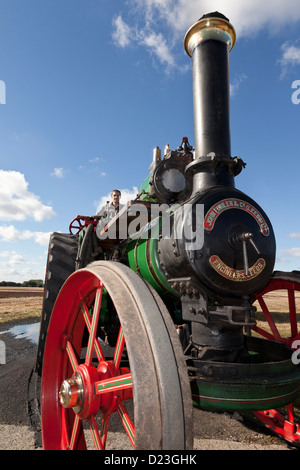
277	303
18	303
24	302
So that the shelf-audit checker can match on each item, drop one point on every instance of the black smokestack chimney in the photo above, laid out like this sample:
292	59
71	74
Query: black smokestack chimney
208	42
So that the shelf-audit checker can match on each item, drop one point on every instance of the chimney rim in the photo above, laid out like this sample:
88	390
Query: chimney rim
207	24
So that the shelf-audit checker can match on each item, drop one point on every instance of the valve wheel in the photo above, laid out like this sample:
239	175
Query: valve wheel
76	225
282	423
87	384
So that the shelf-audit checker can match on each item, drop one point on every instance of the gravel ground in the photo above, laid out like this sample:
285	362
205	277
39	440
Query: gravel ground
212	431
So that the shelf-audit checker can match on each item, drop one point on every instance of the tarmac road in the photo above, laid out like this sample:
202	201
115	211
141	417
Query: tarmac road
212	431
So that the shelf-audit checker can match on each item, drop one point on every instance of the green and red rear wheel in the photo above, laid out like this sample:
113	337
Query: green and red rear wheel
283	326
139	378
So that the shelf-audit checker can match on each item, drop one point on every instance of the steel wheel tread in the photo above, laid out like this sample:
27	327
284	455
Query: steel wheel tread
60	264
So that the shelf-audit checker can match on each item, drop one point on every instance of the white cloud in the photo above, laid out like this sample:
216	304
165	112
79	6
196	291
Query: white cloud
122	34
281	260
291	53
247	16
13	258
126	196
294	235
159	25
290	57
235	85
16	202
58	172
41	238
18	269
158	46
293	252
8	233
16	259
22	273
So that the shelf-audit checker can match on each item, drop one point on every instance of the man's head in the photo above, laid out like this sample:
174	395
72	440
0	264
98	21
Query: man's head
115	195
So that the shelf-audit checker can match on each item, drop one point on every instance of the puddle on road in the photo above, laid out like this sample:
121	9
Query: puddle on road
29	332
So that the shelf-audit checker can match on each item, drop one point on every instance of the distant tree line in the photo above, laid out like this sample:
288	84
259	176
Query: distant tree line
30	283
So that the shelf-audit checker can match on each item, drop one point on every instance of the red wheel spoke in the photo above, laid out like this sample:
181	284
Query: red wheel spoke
114	384
72	356
95	433
104	430
127	423
269	319
119	349
262	332
93	331
87	318
293	316
75	432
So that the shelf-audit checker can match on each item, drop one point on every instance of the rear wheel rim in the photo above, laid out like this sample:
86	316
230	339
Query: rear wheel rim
282	423
290	287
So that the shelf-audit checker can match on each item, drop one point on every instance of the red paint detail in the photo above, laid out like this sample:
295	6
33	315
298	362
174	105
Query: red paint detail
234	203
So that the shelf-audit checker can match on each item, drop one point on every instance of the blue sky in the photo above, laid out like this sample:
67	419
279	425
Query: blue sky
89	87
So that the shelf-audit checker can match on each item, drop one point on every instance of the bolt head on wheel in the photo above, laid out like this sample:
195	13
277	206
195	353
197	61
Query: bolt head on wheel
71	393
78	392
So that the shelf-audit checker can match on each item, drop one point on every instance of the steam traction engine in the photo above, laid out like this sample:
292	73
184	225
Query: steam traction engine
146	327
